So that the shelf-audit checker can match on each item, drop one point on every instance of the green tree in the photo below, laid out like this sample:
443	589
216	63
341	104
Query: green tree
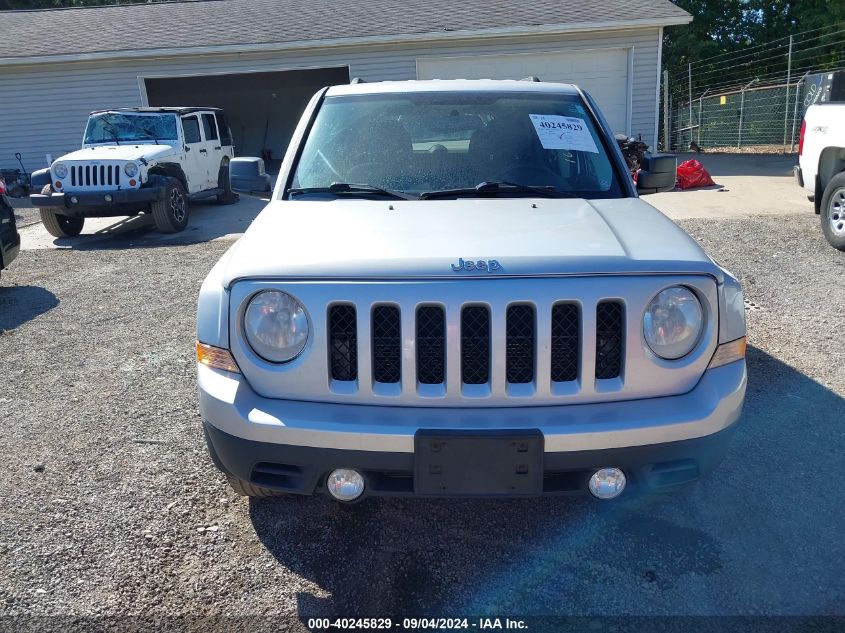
738	40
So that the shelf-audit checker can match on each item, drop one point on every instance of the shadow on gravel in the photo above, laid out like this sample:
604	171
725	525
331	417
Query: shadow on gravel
19	304
208	221
573	555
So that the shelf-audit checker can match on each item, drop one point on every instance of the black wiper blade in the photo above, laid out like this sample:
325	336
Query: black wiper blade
487	188
345	188
149	134
112	130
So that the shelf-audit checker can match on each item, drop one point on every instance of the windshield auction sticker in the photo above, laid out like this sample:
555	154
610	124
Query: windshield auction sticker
563	132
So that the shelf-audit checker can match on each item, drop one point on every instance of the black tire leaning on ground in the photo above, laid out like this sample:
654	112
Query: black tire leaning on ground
171	213
224	181
246	489
835	186
59	225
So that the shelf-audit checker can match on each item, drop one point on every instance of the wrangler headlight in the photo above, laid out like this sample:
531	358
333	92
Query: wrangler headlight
673	322
60	170
130	169
276	326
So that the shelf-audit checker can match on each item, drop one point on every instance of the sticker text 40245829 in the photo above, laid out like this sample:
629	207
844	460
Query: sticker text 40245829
563	132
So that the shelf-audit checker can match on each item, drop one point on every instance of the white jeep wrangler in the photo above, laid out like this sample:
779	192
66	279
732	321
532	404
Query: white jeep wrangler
150	160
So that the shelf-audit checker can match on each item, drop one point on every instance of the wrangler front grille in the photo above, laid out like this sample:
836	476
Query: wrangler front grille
100	176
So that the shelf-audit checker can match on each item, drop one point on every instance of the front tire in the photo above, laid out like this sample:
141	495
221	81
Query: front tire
224	181
246	489
59	225
833	212
171	214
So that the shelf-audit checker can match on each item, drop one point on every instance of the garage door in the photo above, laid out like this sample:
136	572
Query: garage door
601	72
263	108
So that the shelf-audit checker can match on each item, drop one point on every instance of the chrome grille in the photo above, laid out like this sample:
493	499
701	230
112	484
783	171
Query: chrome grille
454	340
475	343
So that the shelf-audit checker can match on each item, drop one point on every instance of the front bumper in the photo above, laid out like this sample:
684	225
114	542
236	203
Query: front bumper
96	200
292	446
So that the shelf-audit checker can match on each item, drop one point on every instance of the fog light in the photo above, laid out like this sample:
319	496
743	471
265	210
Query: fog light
107	197
607	483
58	184
345	484
74	199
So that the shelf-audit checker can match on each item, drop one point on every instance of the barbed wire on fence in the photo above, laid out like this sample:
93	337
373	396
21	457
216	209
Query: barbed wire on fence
755	98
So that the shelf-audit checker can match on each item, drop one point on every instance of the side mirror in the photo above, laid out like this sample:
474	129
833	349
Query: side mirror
658	173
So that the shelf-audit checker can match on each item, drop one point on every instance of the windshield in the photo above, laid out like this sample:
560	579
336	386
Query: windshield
109	127
419	143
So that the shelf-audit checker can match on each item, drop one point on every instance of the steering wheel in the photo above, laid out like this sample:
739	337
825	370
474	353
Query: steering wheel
362	172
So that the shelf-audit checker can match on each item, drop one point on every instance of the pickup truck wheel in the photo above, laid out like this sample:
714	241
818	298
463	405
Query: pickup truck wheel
833	212
171	213
246	489
224	181
59	225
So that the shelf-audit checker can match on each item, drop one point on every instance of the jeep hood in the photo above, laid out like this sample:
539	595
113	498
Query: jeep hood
343	239
122	152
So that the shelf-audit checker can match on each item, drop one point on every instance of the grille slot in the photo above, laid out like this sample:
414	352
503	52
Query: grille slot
521	338
609	339
565	342
475	345
343	342
387	344
431	345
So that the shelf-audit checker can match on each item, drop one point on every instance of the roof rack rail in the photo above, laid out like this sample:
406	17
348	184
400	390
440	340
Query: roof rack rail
530	78
357	80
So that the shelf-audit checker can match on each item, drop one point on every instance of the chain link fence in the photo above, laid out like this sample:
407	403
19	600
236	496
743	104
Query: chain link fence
767	118
753	100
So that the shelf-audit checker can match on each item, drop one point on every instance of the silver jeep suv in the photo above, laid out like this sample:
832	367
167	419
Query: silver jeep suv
456	291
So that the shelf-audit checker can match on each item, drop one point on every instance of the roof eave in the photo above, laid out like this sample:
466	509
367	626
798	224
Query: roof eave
552	29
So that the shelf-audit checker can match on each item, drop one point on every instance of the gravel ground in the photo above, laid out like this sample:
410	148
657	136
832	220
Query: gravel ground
109	504
24	214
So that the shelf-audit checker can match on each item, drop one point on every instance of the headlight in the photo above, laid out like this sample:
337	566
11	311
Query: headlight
60	170
673	322
130	169
276	326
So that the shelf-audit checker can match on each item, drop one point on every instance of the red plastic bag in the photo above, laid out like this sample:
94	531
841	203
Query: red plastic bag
692	174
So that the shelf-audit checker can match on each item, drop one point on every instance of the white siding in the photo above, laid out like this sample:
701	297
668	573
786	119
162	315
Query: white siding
44	107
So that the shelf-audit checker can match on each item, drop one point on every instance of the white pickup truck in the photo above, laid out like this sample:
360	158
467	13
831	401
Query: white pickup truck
821	168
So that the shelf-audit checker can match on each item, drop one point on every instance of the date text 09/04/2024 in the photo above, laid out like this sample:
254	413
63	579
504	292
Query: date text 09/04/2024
413	624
